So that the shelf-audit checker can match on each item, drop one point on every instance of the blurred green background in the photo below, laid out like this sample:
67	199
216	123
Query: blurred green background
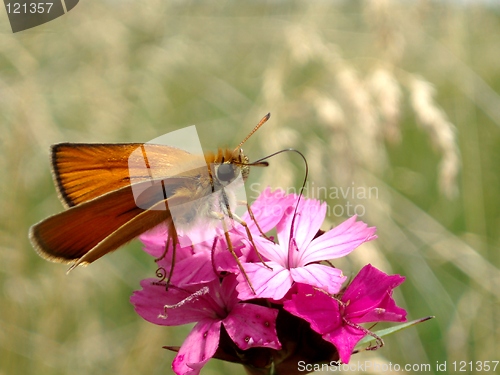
400	97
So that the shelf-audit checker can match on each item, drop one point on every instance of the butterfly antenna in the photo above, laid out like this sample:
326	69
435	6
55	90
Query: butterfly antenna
261	122
260	161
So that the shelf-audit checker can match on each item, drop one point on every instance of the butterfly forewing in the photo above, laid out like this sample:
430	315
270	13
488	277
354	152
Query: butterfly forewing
86	171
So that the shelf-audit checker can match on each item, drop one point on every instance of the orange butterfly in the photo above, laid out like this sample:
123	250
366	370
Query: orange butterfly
98	183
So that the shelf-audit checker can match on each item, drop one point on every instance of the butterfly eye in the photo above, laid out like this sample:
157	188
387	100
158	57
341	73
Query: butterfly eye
225	172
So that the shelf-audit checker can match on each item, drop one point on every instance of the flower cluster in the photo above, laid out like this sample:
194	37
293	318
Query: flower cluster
287	305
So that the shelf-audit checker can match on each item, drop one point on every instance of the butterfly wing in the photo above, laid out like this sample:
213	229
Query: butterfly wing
114	193
83	172
86	232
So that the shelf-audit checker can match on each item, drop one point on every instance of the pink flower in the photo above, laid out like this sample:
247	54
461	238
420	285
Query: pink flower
301	299
211	305
296	259
367	299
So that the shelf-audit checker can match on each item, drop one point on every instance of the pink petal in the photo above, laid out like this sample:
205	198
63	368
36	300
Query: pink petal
345	339
196	269
323	277
150	304
338	241
308	219
224	262
317	308
370	289
154	240
251	326
270	250
198	348
227	294
268	283
387	311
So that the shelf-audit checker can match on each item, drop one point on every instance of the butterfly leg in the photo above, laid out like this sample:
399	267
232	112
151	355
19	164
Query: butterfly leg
250	238
162	272
175	242
221	217
231	250
250	212
212	255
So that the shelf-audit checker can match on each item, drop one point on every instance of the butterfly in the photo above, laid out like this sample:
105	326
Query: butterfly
115	192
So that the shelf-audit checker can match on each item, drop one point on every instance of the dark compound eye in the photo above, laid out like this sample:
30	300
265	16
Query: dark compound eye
225	172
